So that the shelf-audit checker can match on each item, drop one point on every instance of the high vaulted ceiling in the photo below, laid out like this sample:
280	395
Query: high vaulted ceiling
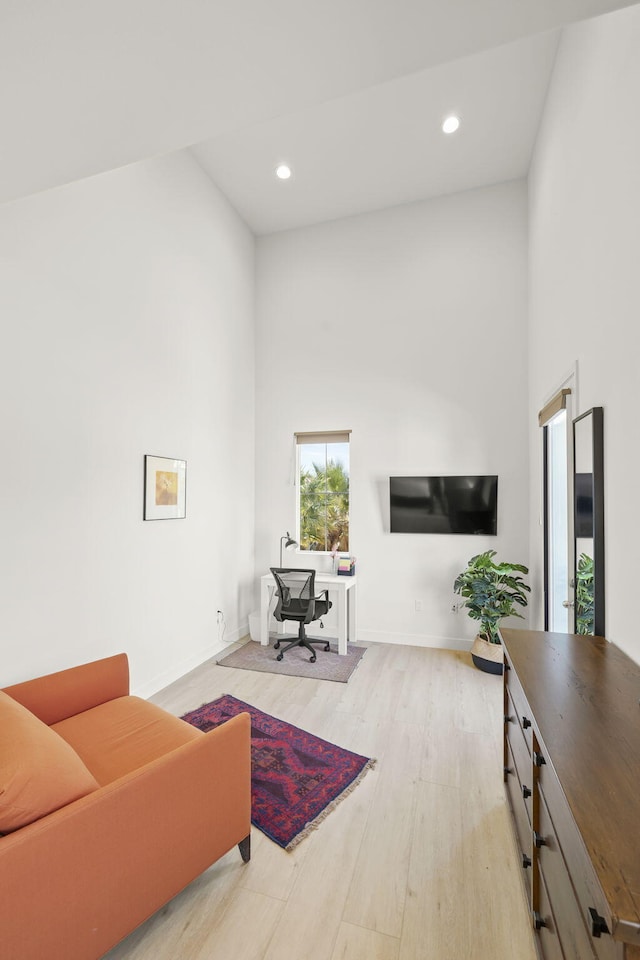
349	92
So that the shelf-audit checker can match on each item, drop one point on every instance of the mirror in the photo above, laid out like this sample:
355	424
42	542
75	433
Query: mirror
588	519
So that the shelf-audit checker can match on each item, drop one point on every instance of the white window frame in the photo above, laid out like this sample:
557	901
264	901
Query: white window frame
316	437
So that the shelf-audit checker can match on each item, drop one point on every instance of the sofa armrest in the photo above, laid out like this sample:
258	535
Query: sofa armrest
57	696
76	882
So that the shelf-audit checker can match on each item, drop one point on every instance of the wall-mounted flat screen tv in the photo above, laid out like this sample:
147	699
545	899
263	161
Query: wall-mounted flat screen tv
467	505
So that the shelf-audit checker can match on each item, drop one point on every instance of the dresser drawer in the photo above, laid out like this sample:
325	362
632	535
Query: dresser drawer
522	763
570	923
545	925
519	707
524	836
588	894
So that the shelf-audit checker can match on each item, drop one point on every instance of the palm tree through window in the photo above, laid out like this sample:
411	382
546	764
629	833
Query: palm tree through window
323	484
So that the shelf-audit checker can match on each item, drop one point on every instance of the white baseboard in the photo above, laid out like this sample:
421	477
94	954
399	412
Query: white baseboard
182	667
414	640
179	669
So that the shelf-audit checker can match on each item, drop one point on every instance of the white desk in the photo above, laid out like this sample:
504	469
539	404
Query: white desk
344	587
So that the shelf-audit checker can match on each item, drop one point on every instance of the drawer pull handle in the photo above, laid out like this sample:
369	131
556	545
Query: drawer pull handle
539	760
526	861
538	921
507	771
526	723
539	840
525	792
508	719
598	923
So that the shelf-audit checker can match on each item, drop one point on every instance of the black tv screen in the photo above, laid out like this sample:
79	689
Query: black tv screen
467	505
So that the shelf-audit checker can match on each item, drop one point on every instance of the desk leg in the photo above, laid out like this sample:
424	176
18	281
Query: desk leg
264	614
342	621
352	608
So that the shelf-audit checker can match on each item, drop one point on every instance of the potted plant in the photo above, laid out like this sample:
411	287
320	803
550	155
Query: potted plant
491	592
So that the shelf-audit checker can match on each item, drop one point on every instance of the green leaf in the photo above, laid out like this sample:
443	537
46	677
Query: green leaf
491	591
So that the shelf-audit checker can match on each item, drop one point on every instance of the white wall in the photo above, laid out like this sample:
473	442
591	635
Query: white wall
585	252
126	310
407	326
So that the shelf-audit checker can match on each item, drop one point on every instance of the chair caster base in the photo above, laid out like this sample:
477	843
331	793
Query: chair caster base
327	648
279	657
276	645
312	659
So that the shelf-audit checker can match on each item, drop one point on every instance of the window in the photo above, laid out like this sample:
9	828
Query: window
323	490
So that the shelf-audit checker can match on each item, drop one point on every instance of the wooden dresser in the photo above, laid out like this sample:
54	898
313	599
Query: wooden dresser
572	776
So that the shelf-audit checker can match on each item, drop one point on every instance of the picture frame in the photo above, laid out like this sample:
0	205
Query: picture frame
165	488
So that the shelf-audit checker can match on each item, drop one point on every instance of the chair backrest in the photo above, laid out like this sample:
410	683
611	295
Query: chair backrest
295	588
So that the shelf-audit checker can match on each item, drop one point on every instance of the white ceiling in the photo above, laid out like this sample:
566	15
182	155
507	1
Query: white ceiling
351	92
384	145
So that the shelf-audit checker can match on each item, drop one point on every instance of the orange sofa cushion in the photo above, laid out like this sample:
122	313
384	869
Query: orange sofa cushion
120	736
67	692
39	772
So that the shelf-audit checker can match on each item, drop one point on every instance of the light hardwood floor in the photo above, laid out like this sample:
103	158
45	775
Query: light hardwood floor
418	863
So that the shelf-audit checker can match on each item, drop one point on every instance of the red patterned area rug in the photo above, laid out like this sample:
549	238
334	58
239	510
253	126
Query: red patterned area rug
296	778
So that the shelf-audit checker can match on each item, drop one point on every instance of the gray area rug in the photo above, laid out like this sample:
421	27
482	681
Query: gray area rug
328	666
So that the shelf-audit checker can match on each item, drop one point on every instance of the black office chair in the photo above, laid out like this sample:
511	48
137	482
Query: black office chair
297	601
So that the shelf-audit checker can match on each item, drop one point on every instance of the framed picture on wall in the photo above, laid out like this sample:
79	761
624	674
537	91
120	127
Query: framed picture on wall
165	488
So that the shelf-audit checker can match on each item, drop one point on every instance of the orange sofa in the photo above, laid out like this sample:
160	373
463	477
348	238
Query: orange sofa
109	806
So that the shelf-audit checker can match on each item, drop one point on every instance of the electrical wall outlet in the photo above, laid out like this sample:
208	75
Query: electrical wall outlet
455	608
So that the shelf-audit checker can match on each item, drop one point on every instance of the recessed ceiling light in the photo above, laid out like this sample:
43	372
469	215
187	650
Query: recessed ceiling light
450	124
283	171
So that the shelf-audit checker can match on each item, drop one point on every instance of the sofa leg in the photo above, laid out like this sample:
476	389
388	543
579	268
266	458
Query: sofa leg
245	848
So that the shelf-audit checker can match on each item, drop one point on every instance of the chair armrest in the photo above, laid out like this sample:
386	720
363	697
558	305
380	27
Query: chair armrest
311	609
76	882
60	695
